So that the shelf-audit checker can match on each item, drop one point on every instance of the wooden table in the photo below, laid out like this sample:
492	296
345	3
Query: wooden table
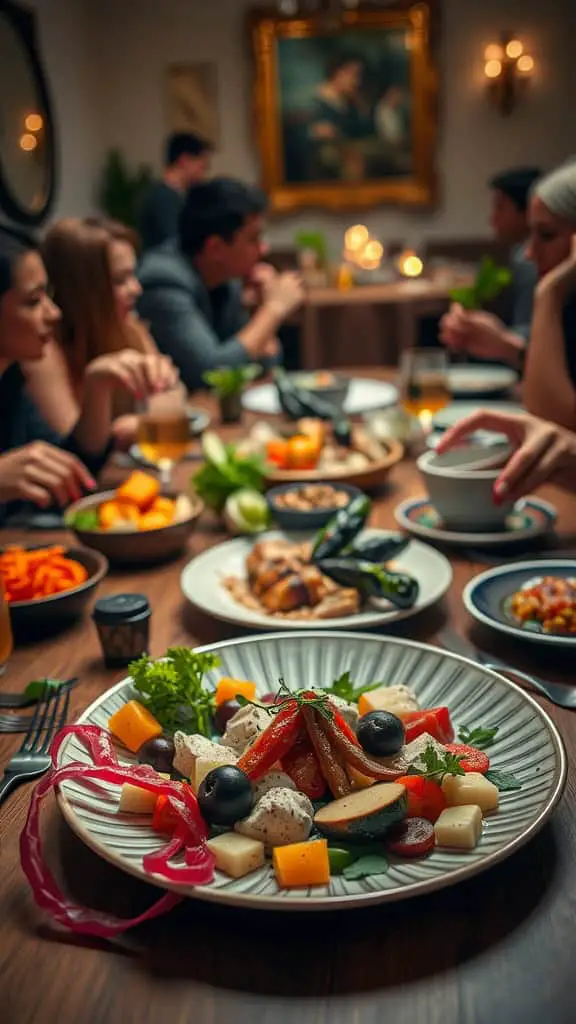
356	324
499	949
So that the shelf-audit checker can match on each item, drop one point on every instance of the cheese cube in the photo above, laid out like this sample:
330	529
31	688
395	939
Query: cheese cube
388	698
135	800
189	748
206	764
459	827
471	788
236	855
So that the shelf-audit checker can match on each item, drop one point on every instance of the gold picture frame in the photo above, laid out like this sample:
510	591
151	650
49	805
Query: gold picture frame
307	159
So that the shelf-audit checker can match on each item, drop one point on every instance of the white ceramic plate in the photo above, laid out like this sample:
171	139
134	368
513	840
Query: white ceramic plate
530	518
527	744
485	597
363	395
459	410
470	379
201	583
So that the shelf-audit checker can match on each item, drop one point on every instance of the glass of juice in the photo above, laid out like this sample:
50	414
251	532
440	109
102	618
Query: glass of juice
6	641
164	430
423	383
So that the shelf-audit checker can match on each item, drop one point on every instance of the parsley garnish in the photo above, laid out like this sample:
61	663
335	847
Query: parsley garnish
480	737
436	767
346	689
172	689
505	781
284	696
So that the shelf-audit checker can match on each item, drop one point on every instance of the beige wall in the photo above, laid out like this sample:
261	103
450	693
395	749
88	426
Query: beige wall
106	61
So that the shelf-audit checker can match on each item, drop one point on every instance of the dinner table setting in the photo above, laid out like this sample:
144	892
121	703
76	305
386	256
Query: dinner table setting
293	555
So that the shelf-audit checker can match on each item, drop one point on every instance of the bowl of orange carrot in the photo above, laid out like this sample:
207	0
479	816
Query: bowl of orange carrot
136	523
43	584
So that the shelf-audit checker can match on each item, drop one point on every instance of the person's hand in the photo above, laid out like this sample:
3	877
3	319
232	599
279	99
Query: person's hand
270	349
140	374
562	279
284	293
43	474
479	334
124	432
260	276
543	450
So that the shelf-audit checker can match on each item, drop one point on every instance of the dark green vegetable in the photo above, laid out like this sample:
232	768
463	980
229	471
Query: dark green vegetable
479	737
378	549
339	859
375	864
172	689
371	580
505	781
341	529
299	403
343	433
84	519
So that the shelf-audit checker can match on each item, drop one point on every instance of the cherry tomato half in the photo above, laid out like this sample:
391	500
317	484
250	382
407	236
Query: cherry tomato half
425	797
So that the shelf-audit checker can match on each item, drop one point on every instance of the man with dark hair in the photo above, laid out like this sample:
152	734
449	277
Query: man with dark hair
186	163
192	290
478	332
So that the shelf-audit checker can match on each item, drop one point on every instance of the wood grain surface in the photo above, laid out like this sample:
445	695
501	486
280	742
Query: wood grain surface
500	949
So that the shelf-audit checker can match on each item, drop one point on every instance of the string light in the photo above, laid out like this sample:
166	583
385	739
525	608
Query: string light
514	49
493	68
34	123
28	142
493	52
356	237
525	64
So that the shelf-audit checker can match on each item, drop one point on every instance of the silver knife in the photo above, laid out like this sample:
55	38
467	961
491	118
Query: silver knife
563	696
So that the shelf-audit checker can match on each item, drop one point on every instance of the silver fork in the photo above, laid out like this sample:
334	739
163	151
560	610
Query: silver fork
33	759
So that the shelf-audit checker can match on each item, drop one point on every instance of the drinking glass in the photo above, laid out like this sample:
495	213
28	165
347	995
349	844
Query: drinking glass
6	641
423	383
164	430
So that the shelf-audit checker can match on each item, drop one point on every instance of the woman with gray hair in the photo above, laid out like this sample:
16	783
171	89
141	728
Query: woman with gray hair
550	373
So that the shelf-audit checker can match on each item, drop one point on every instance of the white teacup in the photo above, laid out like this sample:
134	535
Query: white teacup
460	485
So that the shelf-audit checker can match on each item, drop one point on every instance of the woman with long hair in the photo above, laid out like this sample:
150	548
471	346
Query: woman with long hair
37	463
91	265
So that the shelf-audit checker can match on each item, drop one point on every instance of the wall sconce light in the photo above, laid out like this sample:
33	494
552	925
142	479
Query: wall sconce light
507	69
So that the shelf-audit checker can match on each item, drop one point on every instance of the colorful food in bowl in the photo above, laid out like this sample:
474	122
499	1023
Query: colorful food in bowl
332	576
47	583
547	605
314	450
136	522
308	506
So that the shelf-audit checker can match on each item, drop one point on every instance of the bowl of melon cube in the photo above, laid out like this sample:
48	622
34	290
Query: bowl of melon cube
139	522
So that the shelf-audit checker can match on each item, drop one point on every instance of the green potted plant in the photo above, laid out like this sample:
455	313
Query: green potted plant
121	190
228	383
489	282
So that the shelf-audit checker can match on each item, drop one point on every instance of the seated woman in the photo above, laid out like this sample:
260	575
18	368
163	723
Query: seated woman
543	451
550	372
37	464
91	265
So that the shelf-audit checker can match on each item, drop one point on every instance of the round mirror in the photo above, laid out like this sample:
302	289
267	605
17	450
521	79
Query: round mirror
27	165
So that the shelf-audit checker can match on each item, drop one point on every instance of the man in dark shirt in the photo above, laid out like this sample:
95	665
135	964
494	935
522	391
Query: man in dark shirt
192	290
187	162
478	332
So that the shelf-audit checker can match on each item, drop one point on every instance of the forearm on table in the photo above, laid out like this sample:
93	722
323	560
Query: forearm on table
548	391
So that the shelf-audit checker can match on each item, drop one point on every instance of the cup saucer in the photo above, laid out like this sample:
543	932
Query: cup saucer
530	518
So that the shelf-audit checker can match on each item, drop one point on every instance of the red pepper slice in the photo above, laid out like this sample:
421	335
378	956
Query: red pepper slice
473	760
425	797
435	721
273	744
303	767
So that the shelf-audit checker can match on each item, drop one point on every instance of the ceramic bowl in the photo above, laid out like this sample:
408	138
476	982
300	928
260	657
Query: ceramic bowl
294	519
334	391
59	608
136	547
460	485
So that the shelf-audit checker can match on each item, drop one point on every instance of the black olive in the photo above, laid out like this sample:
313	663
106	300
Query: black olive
224	713
158	752
380	733
225	795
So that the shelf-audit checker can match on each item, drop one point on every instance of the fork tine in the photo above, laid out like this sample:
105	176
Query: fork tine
57	719
36	729
34	720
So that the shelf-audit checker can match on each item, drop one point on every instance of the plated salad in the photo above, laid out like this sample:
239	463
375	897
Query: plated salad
308	784
546	605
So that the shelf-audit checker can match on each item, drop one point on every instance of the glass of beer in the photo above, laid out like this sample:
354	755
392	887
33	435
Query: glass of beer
164	430
423	380
6	641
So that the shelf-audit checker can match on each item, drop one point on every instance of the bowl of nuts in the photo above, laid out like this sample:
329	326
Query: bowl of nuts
300	506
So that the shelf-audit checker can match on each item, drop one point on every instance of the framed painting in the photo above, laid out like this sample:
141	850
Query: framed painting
346	114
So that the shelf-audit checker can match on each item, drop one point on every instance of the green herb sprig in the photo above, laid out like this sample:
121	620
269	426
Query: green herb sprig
436	766
284	696
172	689
505	781
479	737
345	688
214	483
489	282
230	380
